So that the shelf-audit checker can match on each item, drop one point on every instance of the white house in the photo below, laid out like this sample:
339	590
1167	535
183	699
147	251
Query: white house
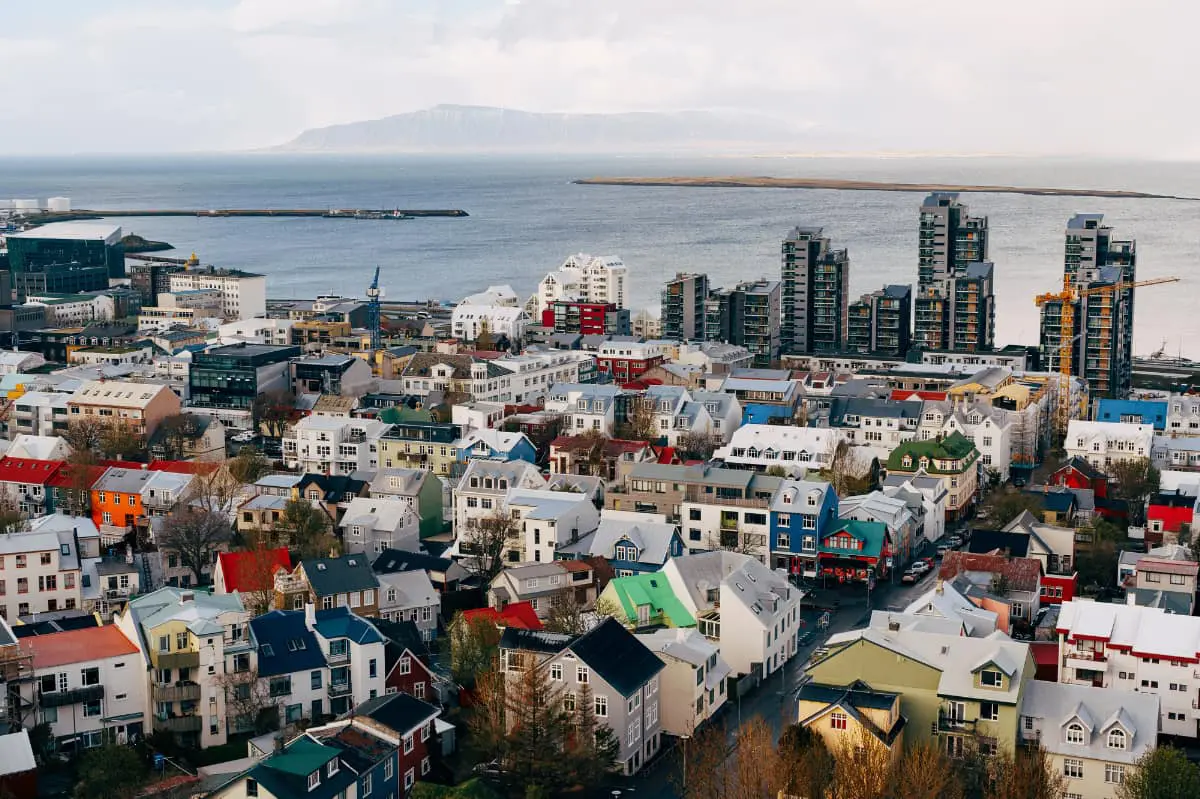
586	406
484	488
333	445
796	450
534	372
693	682
373	524
257	331
13	362
88	682
1092	736
1132	648
549	520
1103	443
934	495
990	428
586	278
469	320
751	611
410	595
41	569
676	413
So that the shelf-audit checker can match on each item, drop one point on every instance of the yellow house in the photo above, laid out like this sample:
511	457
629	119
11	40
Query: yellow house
951	688
853	717
420	445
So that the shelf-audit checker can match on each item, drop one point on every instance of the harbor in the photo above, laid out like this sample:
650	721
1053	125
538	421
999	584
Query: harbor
388	214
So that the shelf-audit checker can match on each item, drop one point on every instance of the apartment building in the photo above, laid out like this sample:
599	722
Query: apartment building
189	641
89	687
243	294
621	674
26	483
747	315
796	450
693	680
880	323
587	278
42	569
256	331
954	306
815	294
628	360
683	307
483	489
420	445
1136	649
333	445
587	407
140	406
40	413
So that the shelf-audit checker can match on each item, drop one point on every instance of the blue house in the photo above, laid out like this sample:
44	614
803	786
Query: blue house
764	394
373	759
1152	412
628	542
488	443
802	513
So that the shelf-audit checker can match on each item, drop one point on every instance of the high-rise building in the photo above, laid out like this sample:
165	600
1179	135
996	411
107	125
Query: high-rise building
952	247
747	315
1102	326
814	296
152	278
880	323
683	307
65	258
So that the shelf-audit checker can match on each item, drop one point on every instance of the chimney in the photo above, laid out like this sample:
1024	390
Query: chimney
310	615
187	596
941	588
1131	598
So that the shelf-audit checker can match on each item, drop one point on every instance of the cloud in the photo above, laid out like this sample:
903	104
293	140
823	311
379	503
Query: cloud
1101	77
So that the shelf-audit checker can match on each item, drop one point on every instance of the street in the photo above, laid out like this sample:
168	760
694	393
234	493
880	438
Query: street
775	700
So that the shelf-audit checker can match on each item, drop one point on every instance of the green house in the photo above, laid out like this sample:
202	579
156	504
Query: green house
646	600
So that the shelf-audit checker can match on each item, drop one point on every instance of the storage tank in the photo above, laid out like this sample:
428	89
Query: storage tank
58	204
26	205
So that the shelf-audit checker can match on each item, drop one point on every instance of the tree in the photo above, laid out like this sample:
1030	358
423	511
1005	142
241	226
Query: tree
848	476
307	528
11	517
805	767
537	721
568	615
195	535
248	701
1097	563
924	772
639	424
484	340
271	411
1026	773
485	538
593	445
80	470
703	773
1136	481
110	772
215	490
607	606
754	777
697	446
84	433
122	442
248	466
591	747
173	435
489	733
863	767
474	648
1004	506
1162	773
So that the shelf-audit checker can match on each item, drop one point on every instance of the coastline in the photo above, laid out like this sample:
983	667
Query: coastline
734	182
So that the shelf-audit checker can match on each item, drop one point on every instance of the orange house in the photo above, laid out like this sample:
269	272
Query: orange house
116	499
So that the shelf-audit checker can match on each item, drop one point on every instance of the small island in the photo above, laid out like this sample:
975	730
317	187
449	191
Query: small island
863	185
134	243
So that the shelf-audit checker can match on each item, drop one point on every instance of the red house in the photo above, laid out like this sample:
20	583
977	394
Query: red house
1078	473
1058	588
406	659
520	615
628	360
411	721
249	571
18	769
1168	512
26	481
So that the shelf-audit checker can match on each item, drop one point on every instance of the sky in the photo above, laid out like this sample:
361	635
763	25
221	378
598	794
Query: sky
1105	77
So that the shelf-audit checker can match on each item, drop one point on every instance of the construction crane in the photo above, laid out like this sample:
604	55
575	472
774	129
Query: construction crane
373	321
1066	336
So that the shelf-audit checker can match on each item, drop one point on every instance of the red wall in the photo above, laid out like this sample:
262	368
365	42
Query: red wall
1067	584
1171	517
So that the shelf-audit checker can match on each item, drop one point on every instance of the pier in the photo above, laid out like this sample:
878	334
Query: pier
374	214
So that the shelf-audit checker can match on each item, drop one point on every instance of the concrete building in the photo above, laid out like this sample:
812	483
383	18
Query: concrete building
40	413
587	278
65	257
232	376
747	315
693	682
243	294
815	293
333	445
256	331
880	323
953	293
683	307
549	520
41	570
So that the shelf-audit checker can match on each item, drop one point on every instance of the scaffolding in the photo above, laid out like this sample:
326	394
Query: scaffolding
18	700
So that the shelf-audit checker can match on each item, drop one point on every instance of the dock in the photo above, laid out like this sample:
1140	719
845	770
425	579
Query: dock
374	214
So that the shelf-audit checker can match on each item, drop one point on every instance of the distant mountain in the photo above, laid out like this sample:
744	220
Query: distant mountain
464	128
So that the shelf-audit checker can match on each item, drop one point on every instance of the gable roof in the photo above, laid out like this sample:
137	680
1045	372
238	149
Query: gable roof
399	560
616	655
28	470
252	570
79	646
652	539
988	541
653	589
517	615
1022	574
401	713
955	446
872	534
341	623
285	644
853	699
329	576
1100	709
403	635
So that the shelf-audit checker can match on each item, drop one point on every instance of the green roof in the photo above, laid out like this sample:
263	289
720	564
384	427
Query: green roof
653	590
955	446
872	534
402	413
302	757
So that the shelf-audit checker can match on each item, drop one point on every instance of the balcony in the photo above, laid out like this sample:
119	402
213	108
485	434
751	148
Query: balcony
953	724
1085	660
177	660
337	689
338	657
76	696
176	692
178	724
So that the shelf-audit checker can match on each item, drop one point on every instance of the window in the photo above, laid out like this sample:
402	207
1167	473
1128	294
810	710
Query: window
581	674
90	676
366	783
372	668
1116	739
424	769
1073	768
1114	774
389	768
1075	733
991	678
251	787
408	744
406	665
556	672
410	778
181	640
569	702
91	709
602	707
837	720
314	680
989	711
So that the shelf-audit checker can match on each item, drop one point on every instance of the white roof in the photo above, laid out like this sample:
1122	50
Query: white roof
652	538
413	589
88	231
944	601
42	448
379	513
1122	431
16	753
1146	631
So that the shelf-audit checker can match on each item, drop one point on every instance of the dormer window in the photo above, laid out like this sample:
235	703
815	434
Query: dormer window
906	461
332	768
1117	739
991	678
314	779
1075	734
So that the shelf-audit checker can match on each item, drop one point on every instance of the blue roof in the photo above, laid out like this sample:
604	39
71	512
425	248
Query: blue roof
1152	412
285	644
341	623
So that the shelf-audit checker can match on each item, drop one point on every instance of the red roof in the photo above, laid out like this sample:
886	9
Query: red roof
28	470
906	394
1045	653
63	479
253	570
184	467
79	646
667	455
1022	574
519	615
575	565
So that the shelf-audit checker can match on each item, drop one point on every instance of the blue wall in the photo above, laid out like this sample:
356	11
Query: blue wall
1152	412
827	516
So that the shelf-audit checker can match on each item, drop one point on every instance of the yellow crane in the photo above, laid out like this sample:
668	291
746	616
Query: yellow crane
1066	337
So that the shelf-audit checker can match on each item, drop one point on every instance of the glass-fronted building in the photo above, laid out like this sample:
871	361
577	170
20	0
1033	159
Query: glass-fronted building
232	376
65	257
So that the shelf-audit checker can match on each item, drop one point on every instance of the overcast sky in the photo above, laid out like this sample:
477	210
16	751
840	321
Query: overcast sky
1029	76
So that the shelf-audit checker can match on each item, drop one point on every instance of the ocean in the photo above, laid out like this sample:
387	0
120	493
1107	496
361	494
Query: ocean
526	217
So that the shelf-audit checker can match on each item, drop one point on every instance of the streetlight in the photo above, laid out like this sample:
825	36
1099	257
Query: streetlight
685	739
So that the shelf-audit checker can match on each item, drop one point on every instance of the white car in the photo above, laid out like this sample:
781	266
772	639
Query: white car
243	437
919	567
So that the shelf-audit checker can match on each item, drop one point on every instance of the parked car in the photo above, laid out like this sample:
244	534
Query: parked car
920	567
943	549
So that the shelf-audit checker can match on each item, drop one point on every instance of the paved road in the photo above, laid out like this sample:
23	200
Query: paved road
774	700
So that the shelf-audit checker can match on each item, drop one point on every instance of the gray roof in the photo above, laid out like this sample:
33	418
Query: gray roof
979	270
761	374
329	576
652	539
839	407
700	473
1079	221
900	291
1171	601
1099	710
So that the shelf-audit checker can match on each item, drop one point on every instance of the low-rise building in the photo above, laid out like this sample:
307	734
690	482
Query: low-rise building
418	489
1007	585
333	445
628	360
795	450
693	682
373	524
42	569
548	521
413	724
853	718
631	542
1104	443
410	595
545	586
326	583
952	459
138	406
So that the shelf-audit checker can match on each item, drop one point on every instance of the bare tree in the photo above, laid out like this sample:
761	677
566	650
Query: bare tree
804	766
173	435
248	466
257	578
248	701
474	648
11	517
703	773
846	472
271	411
195	535
697	445
591	452
308	530
122	442
924	772
755	776
486	721
485	539
84	433
214	489
639	424
1136	482
80	471
1027	773
568	615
